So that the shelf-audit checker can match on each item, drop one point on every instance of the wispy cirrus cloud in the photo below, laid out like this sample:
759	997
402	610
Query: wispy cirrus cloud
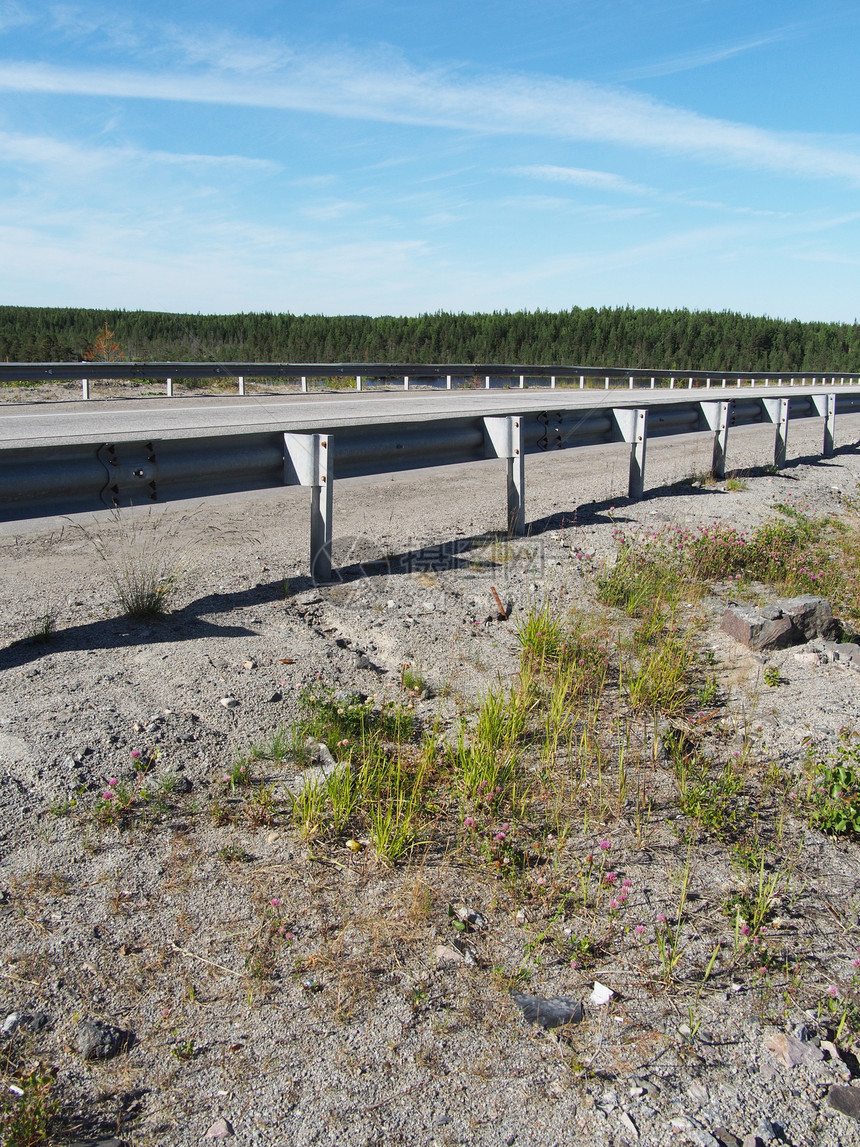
583	177
704	57
14	15
47	151
355	87
609	181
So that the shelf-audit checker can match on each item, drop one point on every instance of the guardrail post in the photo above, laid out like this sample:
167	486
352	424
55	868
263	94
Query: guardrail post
582	382
825	407
690	383
552	382
672	382
304	384
170	388
85	387
707	384
718	416
653	382
358	382
522	382
241	384
778	412
607	382
505	440
632	426
406	382
631	381
447	382
308	462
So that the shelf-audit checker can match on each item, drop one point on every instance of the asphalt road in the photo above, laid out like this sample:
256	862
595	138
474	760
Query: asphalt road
55	423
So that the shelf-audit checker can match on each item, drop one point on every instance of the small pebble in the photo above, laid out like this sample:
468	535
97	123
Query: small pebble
220	1129
229	702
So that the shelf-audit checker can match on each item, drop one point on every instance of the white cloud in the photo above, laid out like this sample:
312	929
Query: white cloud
46	151
704	57
351	87
14	15
602	180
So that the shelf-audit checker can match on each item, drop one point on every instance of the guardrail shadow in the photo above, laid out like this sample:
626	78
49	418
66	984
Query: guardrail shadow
478	552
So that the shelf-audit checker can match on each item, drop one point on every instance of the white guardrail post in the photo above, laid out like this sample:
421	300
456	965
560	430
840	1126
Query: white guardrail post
631	425
504	439
777	411
825	407
85	387
170	388
718	416
308	462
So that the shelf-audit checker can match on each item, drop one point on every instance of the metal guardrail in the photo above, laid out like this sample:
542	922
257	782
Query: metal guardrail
68	478
368	373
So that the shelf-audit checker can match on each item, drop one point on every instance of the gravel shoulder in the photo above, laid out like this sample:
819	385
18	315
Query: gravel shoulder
369	1018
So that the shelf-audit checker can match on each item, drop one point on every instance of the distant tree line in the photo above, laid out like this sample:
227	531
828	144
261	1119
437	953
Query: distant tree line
620	336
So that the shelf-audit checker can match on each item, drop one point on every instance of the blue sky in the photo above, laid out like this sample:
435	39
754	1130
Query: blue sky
382	157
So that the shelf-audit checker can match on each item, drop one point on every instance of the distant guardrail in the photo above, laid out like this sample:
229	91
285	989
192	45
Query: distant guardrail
68	477
370	374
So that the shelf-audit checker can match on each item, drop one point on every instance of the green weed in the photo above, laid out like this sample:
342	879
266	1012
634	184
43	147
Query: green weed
29	1108
834	786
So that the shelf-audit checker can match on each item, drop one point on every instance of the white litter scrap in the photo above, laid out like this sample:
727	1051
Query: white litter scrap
601	994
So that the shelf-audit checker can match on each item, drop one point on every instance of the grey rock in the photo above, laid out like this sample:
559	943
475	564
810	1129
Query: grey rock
24	1021
684	1123
549	1013
469	917
845	651
848	651
767	1131
98	1143
457	952
182	785
628	1125
97	1040
220	1129
813	616
229	702
703	1138
320	753
726	1138
750	627
845	1100
792	1051
317	776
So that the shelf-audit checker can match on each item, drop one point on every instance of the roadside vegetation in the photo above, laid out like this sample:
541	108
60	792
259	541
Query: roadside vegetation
614	797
